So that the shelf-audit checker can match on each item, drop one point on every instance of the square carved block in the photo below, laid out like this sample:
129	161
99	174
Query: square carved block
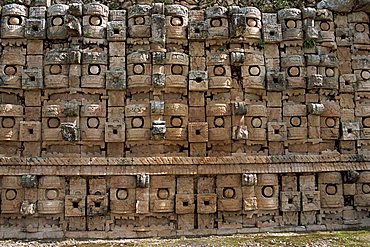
75	205
97	205
185	203
290	201
198	132
30	131
207	203
310	200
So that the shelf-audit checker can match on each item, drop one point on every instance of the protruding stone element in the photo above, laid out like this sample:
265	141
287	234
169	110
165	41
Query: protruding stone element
28	208
316	108
157	107
351	176
29	181
240	133
158	129
142	180
315	81
249	179
70	132
240	108
237	58
13	21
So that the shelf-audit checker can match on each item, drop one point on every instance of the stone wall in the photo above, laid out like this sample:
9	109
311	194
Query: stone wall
163	119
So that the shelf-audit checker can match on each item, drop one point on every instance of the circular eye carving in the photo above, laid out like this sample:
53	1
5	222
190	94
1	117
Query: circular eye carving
229	193
329	72
93	122
216	22
55	69
291	24
365	74
10	194
219	70
295	121
176	122
138	69
325	26
95	21
176	21
176	69
14	20
360	28
163	194
57	21
8	122
10	70
254	71
139	20
294	71
268	191
137	122
51	194
122	194
366	122
219	122
366	188
53	122
331	189
94	69
256	122
330	122
251	22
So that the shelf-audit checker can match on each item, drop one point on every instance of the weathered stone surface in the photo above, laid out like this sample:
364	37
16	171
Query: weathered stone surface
345	5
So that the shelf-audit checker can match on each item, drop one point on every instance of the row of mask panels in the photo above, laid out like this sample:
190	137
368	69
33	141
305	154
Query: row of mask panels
158	120
64	67
176	24
144	194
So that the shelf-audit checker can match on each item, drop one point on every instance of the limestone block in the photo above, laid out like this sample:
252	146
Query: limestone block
56	68
310	201
331	190
122	194
267	192
12	194
138	21
176	70
206	203
116	79
229	193
290	201
272	32
198	81
138	69
97	205
94	65
291	24
361	199
75	205
197	30
30	131
198	132
295	71
13	21
217	22
245	23
176	22
57	22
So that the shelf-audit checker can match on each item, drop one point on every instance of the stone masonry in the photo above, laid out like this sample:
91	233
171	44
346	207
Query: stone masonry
163	119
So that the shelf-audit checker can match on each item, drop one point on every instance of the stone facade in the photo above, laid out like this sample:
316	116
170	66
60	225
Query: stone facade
164	119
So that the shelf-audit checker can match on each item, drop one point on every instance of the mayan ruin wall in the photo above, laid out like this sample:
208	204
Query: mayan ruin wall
124	119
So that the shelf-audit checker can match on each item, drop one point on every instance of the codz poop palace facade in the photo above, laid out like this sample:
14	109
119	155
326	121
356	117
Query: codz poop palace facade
177	118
